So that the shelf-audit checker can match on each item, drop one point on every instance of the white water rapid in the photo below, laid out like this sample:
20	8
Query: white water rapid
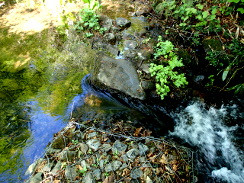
205	129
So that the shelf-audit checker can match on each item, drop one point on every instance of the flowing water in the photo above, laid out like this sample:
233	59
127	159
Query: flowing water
219	160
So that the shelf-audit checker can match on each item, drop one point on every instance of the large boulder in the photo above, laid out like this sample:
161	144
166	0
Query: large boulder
121	75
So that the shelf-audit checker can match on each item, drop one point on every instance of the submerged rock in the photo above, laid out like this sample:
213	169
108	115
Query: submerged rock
121	75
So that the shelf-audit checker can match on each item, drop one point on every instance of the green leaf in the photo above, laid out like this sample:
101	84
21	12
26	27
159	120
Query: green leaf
86	1
214	11
238	88
225	73
233	1
241	10
200	6
205	14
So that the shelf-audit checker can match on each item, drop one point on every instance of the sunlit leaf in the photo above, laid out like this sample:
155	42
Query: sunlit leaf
225	73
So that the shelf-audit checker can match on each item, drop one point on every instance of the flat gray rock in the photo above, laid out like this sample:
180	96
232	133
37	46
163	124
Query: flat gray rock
119	147
70	173
136	173
94	144
132	154
88	178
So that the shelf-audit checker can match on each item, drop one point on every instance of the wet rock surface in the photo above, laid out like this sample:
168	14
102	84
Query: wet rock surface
121	75
111	156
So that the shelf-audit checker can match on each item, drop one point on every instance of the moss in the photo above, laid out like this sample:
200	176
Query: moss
137	26
117	9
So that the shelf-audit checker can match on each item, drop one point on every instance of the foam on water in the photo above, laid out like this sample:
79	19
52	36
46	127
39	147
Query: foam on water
205	130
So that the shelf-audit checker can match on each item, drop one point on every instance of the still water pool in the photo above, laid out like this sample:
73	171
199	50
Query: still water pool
38	78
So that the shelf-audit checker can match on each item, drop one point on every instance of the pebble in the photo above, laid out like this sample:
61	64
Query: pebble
94	144
119	147
132	154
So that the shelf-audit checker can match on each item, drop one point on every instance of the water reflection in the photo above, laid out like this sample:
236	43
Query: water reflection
42	126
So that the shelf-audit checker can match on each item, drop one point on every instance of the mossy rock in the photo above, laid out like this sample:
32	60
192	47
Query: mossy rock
138	26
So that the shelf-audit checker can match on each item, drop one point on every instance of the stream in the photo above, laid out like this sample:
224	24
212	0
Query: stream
38	100
218	159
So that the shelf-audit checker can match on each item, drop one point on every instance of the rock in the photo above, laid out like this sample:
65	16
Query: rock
91	135
111	50
108	49
130	44
88	178
124	165
51	151
120	75
106	22
119	147
125	158
36	178
145	68
101	164
142	159
130	54
31	168
144	55
143	10
198	79
58	142
132	154
122	22
106	147
128	35
84	164
97	174
109	167
70	173
139	26
47	167
148	180
110	37
83	148
57	167
67	155
116	164
136	173
93	144
147	84
142	149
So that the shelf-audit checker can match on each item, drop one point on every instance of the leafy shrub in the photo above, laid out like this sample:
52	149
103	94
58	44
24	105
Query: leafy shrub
88	21
164	74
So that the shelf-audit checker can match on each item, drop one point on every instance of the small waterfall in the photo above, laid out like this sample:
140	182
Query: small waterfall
205	130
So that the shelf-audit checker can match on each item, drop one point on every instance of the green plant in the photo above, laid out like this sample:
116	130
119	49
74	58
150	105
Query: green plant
83	171
165	75
88	21
239	5
92	4
75	141
106	174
